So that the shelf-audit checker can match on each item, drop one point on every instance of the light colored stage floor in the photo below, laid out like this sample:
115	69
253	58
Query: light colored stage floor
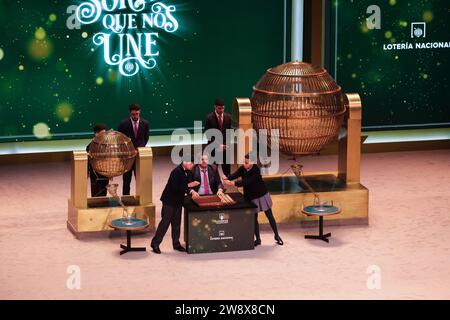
408	239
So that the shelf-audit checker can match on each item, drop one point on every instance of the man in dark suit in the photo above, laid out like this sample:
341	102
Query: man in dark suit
180	180
98	182
137	129
222	121
209	178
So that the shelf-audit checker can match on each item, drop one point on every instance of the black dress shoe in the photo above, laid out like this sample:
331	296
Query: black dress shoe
156	249
179	248
257	242
278	240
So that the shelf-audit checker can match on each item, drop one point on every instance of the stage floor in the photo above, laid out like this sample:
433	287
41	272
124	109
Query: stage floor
408	239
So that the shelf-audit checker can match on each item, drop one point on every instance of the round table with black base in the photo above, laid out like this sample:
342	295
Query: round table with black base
320	211
137	224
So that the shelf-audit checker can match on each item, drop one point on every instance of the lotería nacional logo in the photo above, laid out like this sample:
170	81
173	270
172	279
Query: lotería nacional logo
418	31
221	220
130	29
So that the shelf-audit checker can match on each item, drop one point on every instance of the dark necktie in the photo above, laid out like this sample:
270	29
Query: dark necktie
220	121
206	182
135	125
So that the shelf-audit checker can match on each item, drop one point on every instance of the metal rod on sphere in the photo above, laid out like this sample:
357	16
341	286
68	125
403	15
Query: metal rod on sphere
297	30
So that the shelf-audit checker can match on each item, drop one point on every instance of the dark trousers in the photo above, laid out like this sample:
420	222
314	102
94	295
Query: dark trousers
272	222
127	180
169	216
98	186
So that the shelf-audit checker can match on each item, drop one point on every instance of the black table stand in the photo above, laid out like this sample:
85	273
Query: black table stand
321	236
128	247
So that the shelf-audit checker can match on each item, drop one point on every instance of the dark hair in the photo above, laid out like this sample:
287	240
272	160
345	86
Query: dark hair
188	159
187	156
134	106
250	155
99	127
219	102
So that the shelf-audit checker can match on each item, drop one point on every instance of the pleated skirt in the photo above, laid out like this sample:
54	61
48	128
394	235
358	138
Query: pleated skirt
263	203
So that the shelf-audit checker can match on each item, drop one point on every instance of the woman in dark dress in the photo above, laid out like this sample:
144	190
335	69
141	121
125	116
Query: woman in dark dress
255	190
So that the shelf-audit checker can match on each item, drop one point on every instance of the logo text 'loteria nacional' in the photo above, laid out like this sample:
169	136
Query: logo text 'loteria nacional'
124	40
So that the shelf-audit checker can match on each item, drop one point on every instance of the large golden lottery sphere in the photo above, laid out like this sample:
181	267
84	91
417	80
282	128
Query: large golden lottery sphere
111	154
303	102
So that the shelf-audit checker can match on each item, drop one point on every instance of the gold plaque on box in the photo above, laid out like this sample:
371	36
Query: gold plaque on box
222	200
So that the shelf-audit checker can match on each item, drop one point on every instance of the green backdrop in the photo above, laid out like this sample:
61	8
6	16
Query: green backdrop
399	88
50	77
55	84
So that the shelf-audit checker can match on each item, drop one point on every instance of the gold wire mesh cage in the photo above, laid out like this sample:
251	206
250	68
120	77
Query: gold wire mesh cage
303	102
111	154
